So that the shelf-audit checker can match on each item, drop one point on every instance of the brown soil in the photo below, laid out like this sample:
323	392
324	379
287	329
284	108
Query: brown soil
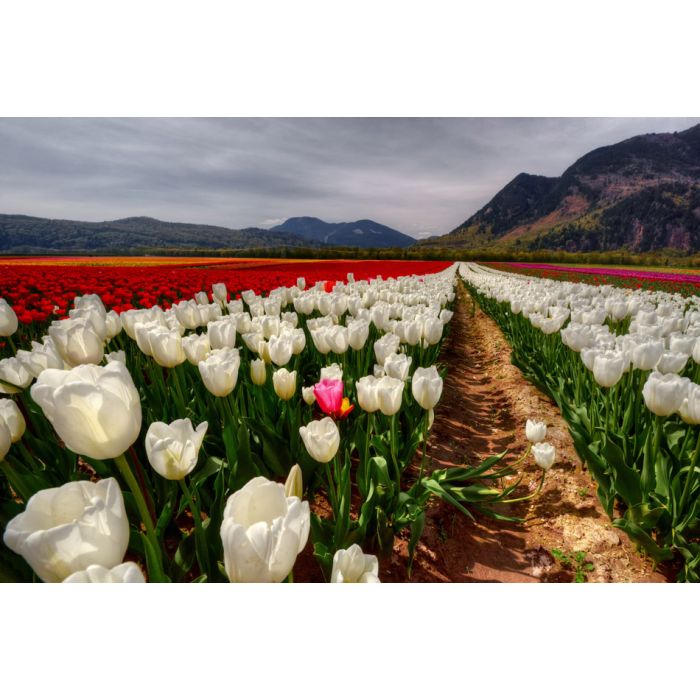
483	410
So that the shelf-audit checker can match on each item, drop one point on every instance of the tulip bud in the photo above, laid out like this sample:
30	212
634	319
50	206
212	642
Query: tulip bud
262	532
66	529
535	431
96	411
285	383
128	572
308	394
544	455
353	566
201	298
13	418
426	386
321	439
173	449
258	372
294	486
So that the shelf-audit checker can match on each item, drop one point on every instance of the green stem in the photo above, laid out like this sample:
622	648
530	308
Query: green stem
425	446
201	547
128	475
691	476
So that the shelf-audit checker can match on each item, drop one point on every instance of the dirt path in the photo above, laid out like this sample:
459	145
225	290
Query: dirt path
485	404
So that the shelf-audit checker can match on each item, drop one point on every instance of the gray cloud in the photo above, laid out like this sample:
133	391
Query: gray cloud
421	176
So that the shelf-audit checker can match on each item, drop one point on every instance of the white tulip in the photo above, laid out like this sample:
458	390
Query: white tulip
397	366
308	395
351	565
5	439
219	292
66	529
77	341
535	431
128	572
15	374
196	347
220	371
367	393
664	393
262	532
13	418
690	406
167	348
337	338
645	355
389	394
281	348
608	368
426	386
544	454
671	362
321	439
284	383
96	411
334	371
386	345
222	334
258	372
8	319
358	332
173	449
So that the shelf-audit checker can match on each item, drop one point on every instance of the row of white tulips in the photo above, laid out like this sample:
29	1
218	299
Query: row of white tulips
624	367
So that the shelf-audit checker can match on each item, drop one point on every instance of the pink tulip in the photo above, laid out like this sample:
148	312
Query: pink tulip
329	395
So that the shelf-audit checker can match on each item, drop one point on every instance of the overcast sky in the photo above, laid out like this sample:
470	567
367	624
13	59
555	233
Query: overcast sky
420	176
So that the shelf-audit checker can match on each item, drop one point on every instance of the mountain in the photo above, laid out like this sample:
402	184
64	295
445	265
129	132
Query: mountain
29	234
642	194
360	234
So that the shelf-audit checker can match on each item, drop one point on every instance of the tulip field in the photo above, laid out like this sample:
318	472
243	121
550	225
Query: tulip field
185	421
208	420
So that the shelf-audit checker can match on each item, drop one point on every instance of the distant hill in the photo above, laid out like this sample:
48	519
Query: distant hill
641	195
360	234
29	234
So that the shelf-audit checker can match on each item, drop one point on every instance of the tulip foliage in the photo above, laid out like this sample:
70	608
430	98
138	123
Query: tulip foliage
214	431
623	366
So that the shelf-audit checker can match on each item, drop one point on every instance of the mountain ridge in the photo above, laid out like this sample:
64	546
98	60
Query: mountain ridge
641	194
363	233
